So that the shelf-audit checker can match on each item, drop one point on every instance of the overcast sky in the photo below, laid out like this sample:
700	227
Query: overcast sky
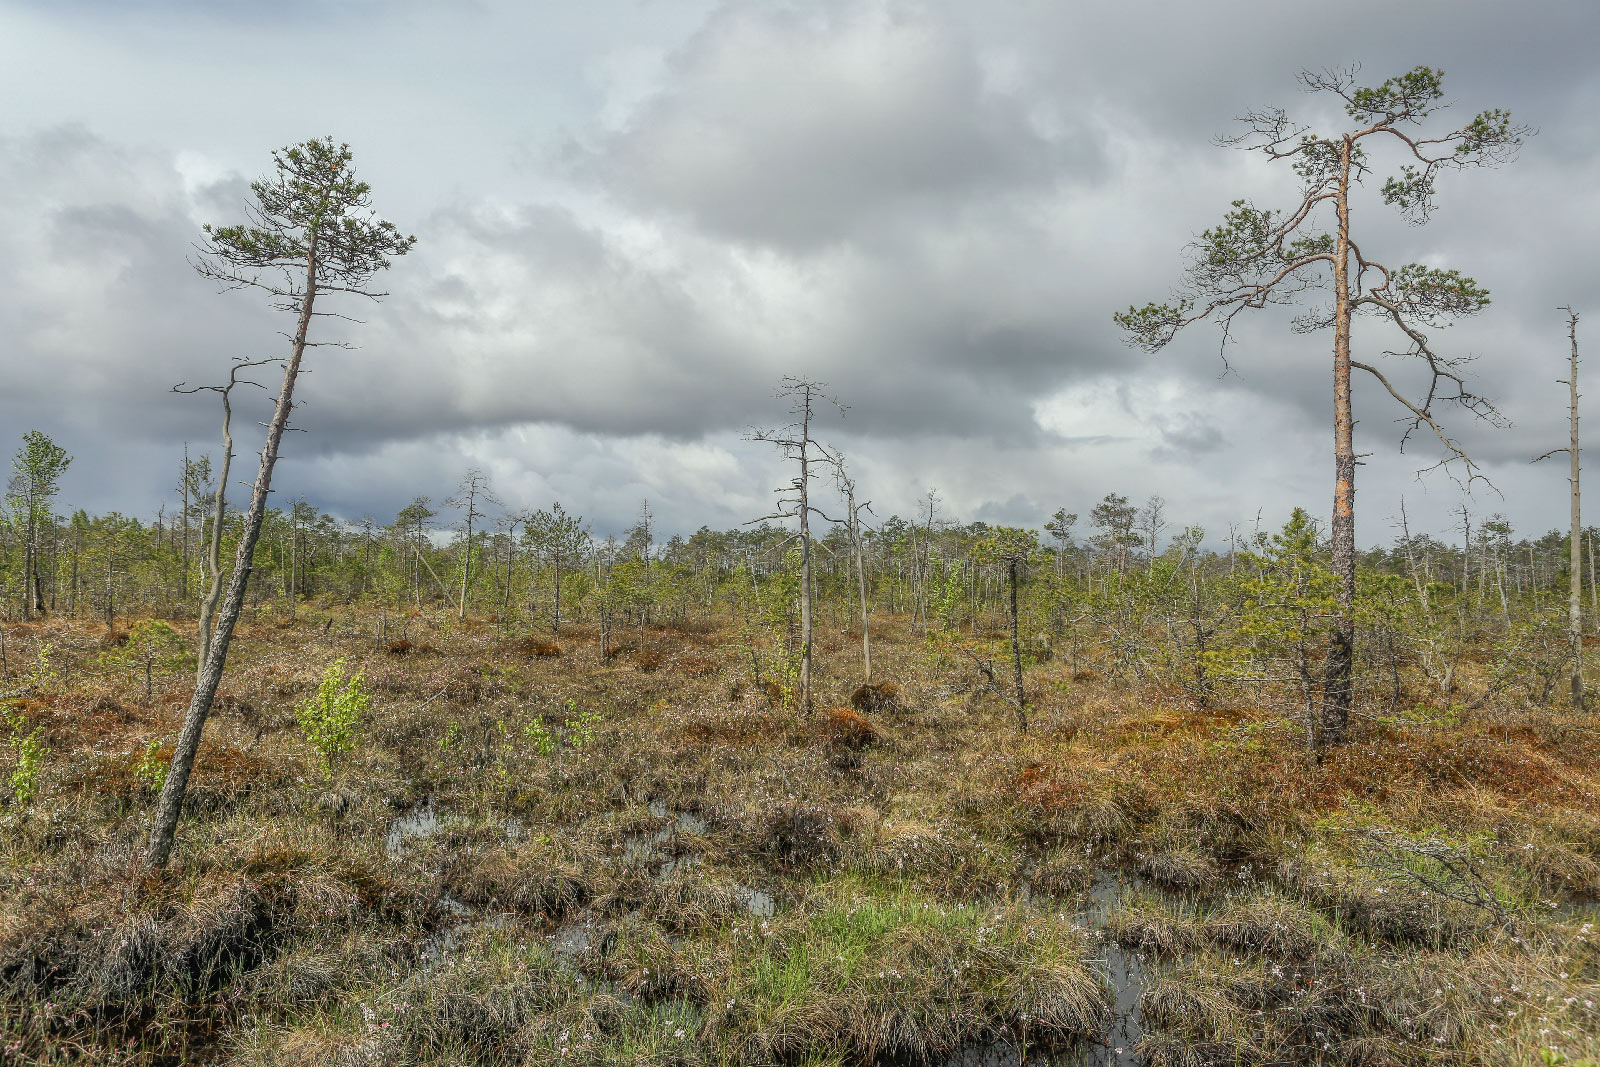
634	218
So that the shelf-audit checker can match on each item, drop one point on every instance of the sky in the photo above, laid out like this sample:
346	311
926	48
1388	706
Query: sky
634	218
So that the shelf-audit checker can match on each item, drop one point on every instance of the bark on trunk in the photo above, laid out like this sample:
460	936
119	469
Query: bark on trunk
1016	653
213	549
165	827
1575	591
1338	687
861	589
805	562
555	581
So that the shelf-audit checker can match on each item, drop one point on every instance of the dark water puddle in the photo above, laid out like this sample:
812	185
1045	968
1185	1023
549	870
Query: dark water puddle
443	943
996	1055
757	903
649	850
420	822
1124	973
572	938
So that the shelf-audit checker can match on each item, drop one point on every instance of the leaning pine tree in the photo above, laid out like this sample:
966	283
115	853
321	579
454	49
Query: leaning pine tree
1260	256
311	231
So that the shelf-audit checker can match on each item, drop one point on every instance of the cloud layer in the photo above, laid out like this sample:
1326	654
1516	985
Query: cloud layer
624	247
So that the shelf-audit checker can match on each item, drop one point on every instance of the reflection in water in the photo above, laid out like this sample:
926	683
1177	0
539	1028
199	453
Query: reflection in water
420	821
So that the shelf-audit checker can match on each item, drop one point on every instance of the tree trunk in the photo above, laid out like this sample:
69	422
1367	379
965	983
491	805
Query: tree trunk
111	613
27	575
1575	588
1016	652
466	569
183	585
1338	685
805	562
212	560
165	827
861	588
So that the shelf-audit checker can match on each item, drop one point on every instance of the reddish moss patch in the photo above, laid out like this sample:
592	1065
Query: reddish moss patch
849	729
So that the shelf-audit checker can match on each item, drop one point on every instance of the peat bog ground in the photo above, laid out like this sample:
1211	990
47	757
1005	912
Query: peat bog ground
531	856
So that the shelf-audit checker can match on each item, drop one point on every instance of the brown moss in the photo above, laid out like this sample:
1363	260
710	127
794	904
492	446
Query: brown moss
696	666
849	729
648	660
873	698
737	726
537	648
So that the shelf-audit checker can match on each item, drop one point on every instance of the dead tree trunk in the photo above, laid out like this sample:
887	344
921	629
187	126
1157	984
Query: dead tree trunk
211	552
1575	588
1575	558
1016	649
165	827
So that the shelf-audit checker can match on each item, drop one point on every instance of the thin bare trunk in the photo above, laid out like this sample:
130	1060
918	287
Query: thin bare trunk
1016	651
861	588
1575	589
165	826
1338	687
805	561
212	560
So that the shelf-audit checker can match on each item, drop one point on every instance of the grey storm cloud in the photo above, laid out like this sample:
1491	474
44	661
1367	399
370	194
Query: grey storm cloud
634	219
801	128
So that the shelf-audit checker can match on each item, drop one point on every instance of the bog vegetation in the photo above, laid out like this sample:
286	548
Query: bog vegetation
474	785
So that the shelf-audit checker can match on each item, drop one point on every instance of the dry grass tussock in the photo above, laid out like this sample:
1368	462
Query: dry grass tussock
529	858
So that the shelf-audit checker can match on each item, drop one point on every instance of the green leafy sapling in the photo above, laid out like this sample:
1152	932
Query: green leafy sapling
330	718
27	754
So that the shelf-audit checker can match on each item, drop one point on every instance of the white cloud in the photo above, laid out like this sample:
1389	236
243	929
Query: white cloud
933	207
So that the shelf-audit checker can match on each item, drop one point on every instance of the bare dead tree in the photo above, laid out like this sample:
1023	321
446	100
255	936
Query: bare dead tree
1575	578
1259	257
211	554
852	523
311	231
470	494
795	442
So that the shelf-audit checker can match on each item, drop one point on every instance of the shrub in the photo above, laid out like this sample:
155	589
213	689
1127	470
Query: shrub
580	725
875	697
330	718
153	766
152	645
539	737
27	754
